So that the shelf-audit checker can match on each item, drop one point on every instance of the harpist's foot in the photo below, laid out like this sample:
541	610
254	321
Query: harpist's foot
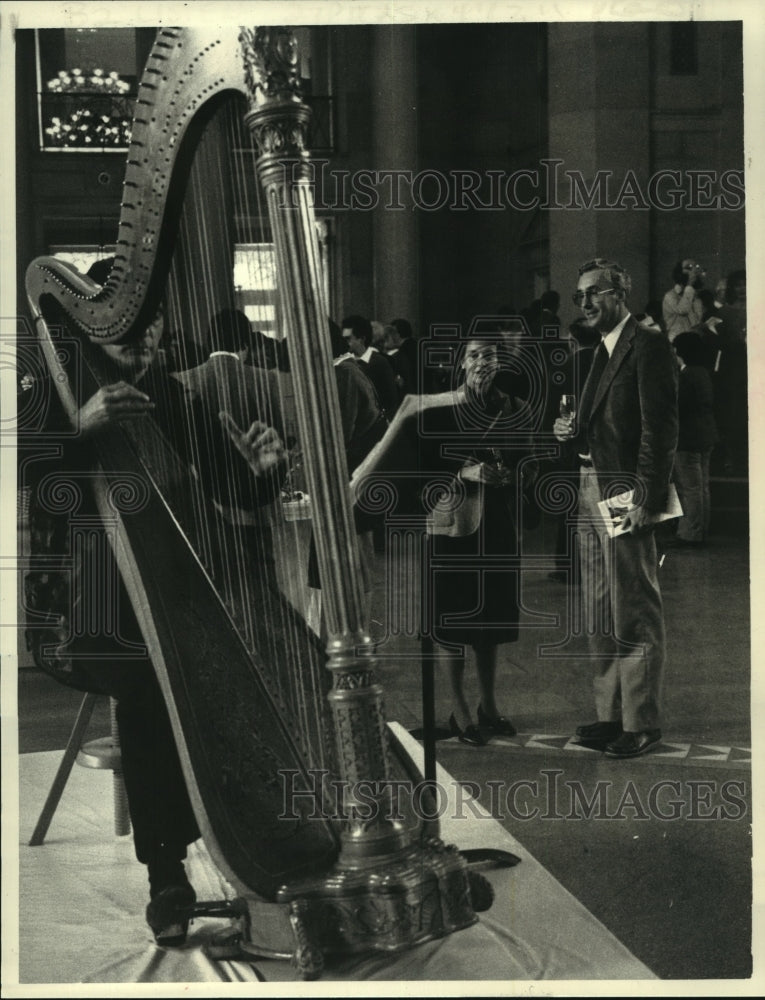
169	912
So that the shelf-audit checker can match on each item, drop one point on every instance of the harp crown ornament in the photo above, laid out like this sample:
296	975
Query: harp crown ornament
270	57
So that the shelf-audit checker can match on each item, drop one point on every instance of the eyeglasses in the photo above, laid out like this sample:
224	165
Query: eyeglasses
589	293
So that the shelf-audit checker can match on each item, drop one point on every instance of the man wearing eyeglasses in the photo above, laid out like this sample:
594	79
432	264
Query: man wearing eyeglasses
625	437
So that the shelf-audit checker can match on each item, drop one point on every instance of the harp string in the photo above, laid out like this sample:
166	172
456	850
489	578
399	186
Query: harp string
299	691
310	698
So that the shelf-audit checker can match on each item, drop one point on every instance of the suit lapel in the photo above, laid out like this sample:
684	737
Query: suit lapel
620	352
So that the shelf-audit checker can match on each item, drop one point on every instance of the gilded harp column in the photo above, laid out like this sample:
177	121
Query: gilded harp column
391	886
279	122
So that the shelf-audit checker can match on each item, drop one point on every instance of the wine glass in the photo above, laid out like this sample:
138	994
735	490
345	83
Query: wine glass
568	408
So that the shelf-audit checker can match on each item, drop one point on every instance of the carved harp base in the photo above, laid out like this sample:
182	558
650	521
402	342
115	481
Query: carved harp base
418	895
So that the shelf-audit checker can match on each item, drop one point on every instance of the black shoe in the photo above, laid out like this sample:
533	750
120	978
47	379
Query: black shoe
502	726
600	731
597	735
471	735
633	744
169	912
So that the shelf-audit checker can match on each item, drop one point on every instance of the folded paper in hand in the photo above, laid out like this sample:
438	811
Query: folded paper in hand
614	509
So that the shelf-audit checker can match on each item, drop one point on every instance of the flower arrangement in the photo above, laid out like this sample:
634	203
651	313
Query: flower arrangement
85	128
102	115
77	81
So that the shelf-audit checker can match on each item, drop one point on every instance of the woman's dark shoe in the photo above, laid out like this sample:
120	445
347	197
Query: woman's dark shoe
471	734
501	725
169	912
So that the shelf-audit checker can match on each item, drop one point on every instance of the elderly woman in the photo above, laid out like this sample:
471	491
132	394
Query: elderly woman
466	454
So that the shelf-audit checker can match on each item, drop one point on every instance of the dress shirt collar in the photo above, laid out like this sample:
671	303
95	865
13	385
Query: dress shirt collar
228	354
611	338
368	354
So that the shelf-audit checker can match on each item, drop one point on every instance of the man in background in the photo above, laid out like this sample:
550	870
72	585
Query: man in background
625	437
358	333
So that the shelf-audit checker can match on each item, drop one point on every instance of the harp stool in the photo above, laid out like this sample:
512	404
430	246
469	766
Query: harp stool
102	753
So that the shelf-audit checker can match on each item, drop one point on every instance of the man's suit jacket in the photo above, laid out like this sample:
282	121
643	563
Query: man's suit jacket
381	375
633	423
404	373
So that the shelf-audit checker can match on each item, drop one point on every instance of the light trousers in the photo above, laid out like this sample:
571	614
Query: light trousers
622	616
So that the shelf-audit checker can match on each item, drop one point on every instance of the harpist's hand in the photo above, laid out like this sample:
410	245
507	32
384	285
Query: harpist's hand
487	473
261	446
113	403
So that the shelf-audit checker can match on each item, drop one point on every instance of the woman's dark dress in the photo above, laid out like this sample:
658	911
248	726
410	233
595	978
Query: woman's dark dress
473	604
471	577
472	580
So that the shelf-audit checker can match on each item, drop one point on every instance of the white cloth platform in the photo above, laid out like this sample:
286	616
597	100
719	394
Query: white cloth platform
83	895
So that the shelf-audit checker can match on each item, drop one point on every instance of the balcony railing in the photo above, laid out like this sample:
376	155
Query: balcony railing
82	121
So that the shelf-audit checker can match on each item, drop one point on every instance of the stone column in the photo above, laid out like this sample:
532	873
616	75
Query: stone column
599	86
394	139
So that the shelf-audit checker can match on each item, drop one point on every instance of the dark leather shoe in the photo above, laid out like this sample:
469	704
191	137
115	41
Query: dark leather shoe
169	912
600	731
633	744
502	726
471	735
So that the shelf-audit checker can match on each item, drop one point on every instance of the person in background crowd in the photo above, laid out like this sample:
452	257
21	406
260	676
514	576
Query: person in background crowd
407	346
224	383
378	335
719	293
708	330
357	331
400	361
733	310
681	306
363	424
543	313
654	313
697	434
731	386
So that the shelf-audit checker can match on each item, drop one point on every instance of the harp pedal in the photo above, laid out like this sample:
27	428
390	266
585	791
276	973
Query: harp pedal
390	904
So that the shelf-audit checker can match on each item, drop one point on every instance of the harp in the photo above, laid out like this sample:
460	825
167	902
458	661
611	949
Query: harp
323	883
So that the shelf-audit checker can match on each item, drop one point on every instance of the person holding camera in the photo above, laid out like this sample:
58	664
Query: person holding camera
681	306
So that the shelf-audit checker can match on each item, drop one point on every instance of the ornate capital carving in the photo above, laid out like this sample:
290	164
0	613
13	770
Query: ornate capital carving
270	57
277	134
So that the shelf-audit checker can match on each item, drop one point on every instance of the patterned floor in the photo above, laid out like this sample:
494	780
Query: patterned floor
667	751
